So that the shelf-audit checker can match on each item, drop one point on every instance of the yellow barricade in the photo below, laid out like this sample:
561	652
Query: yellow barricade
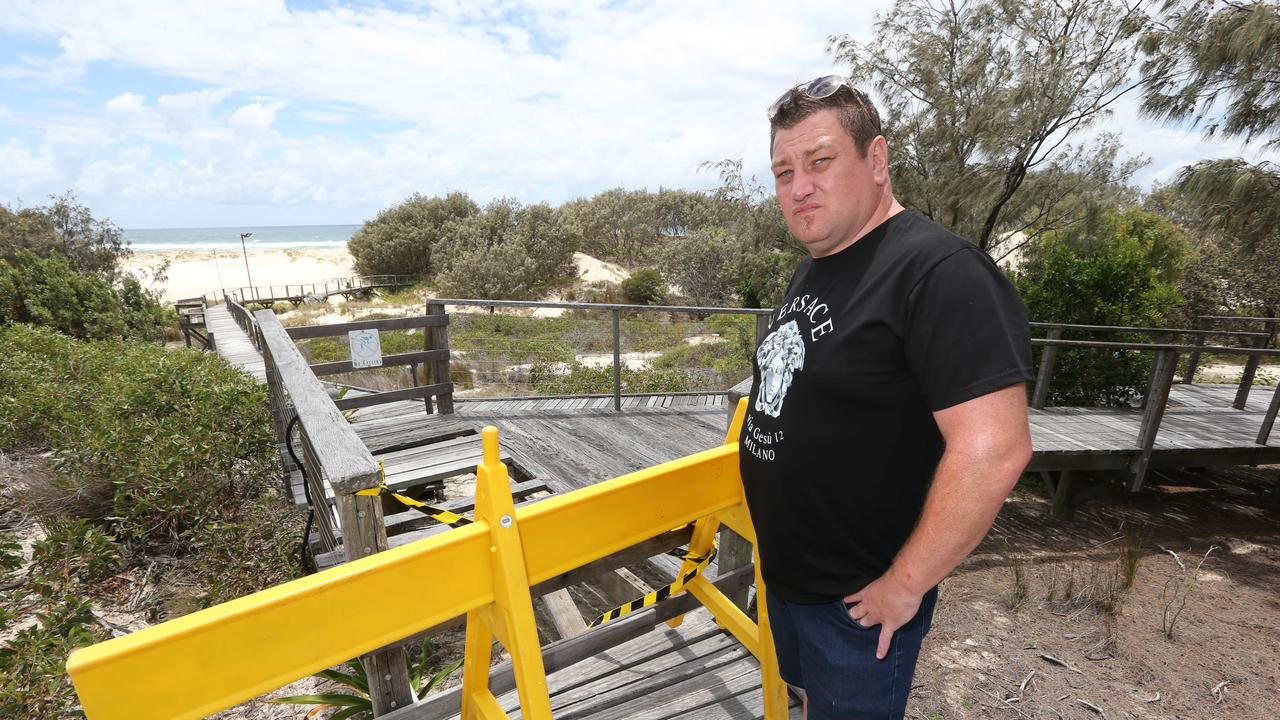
216	658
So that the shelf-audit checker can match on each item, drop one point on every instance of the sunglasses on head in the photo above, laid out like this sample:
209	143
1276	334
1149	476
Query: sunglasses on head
816	89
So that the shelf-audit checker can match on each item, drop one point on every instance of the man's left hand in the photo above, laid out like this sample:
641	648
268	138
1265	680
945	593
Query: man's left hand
886	602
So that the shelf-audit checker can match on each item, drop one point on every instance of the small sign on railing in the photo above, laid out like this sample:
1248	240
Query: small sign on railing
366	348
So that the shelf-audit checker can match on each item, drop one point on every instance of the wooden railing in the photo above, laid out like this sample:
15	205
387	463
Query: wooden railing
1054	331
434	356
215	658
270	294
1261	340
438	305
1156	397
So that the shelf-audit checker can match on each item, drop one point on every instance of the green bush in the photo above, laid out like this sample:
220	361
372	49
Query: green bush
67	228
645	287
33	678
78	553
506	252
402	239
1122	271
583	380
729	360
65	565
49	291
156	443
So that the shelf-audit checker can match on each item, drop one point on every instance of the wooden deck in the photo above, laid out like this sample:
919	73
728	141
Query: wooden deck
1200	428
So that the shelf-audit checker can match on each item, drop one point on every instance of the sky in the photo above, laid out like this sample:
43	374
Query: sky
254	112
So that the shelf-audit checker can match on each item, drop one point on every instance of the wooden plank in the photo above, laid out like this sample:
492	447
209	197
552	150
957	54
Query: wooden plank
416	393
305	332
564	614
409	358
687	687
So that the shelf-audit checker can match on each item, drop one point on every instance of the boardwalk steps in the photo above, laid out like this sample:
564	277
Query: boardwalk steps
691	672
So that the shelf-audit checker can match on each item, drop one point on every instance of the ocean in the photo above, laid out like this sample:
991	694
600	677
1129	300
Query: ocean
264	238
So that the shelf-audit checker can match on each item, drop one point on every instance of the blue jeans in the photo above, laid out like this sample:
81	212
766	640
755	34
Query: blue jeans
833	658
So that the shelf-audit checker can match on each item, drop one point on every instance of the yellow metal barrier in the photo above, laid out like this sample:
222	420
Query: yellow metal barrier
216	658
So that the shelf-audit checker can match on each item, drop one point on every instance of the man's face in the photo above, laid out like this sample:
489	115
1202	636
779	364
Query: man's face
827	189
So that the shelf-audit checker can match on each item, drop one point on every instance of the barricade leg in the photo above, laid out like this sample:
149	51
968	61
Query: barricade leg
510	617
775	691
475	666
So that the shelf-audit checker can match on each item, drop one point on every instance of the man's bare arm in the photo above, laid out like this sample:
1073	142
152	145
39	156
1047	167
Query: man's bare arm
988	444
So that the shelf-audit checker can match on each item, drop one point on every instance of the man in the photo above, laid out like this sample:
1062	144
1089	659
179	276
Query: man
888	416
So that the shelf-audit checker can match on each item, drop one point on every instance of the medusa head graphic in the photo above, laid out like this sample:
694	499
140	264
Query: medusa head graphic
780	356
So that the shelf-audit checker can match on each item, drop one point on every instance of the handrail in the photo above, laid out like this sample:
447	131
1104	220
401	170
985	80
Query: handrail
474	302
1147	330
326	287
1124	345
1156	397
198	664
1251	365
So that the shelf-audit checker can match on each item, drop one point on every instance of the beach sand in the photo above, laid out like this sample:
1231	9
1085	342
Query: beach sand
193	273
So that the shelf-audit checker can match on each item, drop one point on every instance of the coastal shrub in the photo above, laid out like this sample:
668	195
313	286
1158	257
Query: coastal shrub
725	357
704	265
153	443
76	553
53	603
1122	270
33	678
583	380
506	252
49	291
402	239
599	291
67	228
645	287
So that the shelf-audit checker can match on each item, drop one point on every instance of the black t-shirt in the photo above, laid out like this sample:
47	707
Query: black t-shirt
839	446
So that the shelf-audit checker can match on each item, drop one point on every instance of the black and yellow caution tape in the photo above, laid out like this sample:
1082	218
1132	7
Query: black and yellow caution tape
663	592
448	517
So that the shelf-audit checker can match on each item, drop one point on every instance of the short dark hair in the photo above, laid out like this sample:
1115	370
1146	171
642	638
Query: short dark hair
857	115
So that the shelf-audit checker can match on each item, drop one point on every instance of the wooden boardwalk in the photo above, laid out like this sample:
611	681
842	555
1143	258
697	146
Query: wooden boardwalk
231	342
574	442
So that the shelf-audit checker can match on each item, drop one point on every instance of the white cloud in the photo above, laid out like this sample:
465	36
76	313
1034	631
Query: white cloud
539	100
130	103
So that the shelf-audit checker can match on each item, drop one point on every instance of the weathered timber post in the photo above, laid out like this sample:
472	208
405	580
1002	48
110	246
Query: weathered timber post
1269	419
617	360
363	533
1044	375
337	455
440	372
1251	370
1193	360
1153	412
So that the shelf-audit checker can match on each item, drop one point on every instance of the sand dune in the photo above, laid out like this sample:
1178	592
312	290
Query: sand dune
194	273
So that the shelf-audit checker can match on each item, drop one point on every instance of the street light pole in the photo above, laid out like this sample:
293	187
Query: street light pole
246	258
